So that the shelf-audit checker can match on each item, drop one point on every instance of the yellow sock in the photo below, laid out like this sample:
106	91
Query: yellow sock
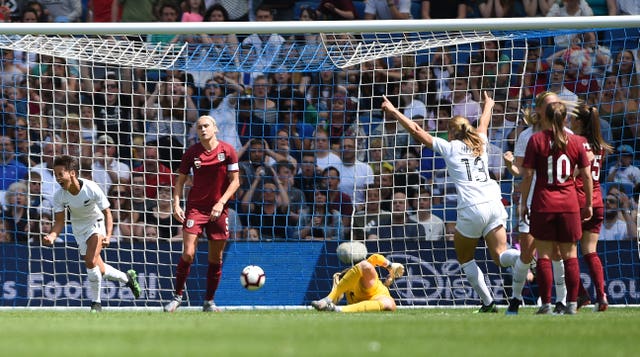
363	306
348	281
378	260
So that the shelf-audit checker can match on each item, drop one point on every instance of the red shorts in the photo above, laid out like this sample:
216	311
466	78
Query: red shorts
197	221
560	227
595	223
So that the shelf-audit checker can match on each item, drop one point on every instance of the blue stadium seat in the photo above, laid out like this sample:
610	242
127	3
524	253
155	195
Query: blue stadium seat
416	10
360	5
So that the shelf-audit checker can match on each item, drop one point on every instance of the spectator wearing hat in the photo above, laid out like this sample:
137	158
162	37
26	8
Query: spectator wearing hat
106	169
624	171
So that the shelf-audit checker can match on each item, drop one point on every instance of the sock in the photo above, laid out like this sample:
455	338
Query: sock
348	281
544	277
597	274
214	271
572	272
378	260
520	271
111	273
476	279
508	257
95	283
363	306
182	272
558	279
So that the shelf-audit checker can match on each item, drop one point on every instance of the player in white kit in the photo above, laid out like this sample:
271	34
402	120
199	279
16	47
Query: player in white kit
92	226
480	209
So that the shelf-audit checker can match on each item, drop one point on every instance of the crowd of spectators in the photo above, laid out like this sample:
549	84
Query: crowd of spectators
317	158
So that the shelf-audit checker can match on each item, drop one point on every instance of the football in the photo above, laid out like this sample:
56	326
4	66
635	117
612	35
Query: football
351	252
252	277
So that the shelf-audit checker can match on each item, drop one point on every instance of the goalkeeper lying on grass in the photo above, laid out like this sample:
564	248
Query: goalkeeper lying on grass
362	286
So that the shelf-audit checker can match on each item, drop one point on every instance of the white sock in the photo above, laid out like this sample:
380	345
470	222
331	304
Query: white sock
476	279
520	271
558	279
111	273
95	283
508	257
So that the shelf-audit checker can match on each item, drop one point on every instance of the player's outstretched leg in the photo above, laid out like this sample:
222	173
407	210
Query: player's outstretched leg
324	304
132	283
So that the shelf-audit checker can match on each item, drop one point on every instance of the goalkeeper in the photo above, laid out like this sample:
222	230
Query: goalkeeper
361	285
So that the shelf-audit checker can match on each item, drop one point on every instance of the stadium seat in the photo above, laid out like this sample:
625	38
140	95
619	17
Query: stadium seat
360	5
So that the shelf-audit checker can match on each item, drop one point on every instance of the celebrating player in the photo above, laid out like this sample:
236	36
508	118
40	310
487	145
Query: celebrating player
587	125
555	214
92	226
480	209
362	287
214	166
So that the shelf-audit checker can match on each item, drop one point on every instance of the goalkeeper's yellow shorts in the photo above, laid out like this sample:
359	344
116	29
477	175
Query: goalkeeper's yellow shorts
362	294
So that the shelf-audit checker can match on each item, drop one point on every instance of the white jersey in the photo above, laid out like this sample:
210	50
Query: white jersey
85	208
469	174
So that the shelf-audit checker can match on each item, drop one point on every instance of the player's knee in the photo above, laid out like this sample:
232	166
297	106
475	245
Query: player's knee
188	258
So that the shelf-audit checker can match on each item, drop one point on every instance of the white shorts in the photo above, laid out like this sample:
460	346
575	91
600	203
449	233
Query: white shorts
84	233
477	221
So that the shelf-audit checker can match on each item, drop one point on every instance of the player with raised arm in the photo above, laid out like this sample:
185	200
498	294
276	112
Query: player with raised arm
513	161
362	287
92	226
555	218
214	166
586	124
480	209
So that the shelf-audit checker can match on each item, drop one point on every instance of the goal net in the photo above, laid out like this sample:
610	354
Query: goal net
319	162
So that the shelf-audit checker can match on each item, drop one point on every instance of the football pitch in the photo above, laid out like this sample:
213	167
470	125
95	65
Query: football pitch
407	332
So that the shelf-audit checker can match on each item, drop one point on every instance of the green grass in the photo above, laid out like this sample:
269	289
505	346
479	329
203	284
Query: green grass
412	332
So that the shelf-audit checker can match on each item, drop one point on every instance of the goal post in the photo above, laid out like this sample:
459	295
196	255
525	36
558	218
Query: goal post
305	106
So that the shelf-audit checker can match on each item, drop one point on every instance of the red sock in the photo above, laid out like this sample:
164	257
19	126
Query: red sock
544	278
572	278
182	272
597	274
214	272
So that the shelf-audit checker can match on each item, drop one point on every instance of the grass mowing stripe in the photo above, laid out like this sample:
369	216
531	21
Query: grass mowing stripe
412	332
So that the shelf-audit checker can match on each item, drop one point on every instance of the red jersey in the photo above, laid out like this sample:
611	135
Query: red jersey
555	189
596	166
210	171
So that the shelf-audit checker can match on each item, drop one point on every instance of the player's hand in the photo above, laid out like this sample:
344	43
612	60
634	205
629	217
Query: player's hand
508	158
488	101
178	213
386	104
586	213
105	242
216	211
